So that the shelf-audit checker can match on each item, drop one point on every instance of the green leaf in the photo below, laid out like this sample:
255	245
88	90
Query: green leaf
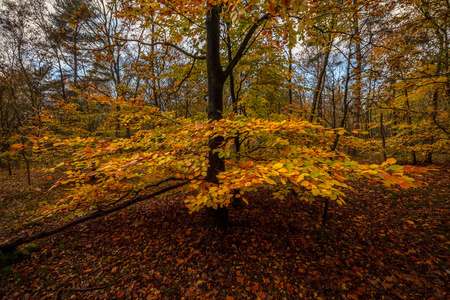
314	174
394	167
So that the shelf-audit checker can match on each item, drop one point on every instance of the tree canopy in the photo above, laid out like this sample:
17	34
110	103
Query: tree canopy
220	98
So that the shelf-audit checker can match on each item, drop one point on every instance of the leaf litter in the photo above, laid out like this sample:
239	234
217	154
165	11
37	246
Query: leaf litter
381	245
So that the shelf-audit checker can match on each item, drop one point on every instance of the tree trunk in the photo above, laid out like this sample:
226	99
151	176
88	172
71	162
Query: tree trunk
27	163
9	167
216	81
234	100
383	139
290	80
358	71
409	120
320	81
344	118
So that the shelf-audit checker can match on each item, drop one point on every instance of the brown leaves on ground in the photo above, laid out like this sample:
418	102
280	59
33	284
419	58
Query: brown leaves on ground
18	200
381	245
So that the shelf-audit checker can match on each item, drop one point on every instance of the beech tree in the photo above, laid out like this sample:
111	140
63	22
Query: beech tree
286	154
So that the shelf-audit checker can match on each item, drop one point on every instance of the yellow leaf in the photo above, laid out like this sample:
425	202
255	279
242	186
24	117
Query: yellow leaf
256	180
391	161
277	166
269	181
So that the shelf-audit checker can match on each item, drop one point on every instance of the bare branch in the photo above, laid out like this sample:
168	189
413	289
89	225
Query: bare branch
244	44
10	246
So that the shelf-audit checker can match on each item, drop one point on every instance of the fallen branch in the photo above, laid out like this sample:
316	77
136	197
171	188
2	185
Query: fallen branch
11	246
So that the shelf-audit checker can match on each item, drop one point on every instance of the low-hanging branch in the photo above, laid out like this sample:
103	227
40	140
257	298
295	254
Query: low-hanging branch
11	246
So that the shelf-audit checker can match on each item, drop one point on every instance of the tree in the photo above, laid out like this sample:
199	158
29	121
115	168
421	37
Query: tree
284	153
25	72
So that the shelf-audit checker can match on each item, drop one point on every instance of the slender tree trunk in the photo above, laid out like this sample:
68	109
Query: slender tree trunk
232	87
333	102
27	163
216	83
409	120
118	121
61	77
320	82
290	81
75	58
8	162
358	71
383	139
344	118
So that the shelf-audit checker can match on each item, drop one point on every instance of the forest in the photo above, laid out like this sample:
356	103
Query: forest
224	149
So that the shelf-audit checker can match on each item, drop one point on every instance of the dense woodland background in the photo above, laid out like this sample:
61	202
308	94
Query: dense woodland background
223	107
380	66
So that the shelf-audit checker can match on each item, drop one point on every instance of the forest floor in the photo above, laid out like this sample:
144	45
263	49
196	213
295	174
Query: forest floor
381	245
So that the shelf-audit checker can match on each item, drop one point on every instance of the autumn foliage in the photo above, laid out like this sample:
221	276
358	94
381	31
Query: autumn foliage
214	103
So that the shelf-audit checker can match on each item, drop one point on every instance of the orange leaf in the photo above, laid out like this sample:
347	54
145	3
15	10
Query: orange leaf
34	139
415	170
247	164
405	185
254	288
17	146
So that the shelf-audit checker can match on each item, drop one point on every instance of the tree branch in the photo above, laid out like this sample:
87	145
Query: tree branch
240	52
11	246
194	56
439	125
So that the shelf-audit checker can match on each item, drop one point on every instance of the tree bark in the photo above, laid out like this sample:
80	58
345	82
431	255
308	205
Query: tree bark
383	138
409	120
290	80
358	70
345	99
216	82
320	82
